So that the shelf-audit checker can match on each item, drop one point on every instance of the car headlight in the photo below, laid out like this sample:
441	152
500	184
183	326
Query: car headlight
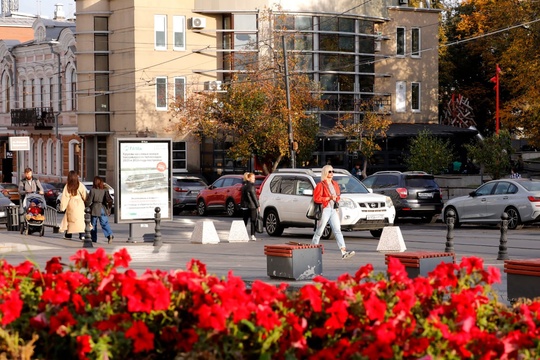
389	202
347	203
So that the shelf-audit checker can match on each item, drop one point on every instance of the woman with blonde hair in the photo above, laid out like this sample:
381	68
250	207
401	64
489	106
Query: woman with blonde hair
327	194
249	202
72	202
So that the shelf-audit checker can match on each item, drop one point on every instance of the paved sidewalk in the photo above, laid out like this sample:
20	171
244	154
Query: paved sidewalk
246	260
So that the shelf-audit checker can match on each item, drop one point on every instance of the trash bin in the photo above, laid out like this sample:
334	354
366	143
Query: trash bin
13	221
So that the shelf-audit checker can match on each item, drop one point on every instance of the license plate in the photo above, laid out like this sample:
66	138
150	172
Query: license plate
374	217
425	195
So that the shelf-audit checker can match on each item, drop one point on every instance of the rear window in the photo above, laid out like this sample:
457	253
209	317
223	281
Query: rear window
190	182
531	185
420	182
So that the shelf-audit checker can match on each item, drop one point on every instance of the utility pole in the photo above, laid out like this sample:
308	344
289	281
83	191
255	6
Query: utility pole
288	92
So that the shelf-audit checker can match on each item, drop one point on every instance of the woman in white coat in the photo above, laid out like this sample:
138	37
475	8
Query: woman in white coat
72	202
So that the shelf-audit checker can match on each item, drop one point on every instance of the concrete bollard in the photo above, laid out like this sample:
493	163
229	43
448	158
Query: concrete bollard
87	243
238	232
503	253
450	219
157	219
204	233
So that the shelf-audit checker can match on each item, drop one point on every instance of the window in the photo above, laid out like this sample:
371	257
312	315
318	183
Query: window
415	42
161	93
400	41
179	155
160	30
179	89
415	96
179	33
401	96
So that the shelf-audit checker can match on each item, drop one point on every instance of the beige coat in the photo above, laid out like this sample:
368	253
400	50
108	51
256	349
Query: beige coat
73	220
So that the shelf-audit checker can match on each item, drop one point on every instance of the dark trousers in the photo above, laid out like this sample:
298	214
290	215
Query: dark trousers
250	214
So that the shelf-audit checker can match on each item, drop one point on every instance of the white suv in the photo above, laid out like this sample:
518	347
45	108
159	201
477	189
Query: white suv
285	196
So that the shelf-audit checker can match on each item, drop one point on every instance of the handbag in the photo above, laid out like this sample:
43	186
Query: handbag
108	202
314	211
259	224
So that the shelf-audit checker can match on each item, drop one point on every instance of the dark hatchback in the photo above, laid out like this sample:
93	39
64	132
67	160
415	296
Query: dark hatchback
414	193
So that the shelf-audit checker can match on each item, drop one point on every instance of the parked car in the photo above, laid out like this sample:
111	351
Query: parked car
4	201
414	193
11	191
186	188
88	185
224	194
519	198
51	192
286	195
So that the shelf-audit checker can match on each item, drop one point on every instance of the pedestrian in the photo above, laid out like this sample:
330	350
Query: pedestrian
250	202
243	206
96	201
327	193
72	202
357	172
514	174
29	185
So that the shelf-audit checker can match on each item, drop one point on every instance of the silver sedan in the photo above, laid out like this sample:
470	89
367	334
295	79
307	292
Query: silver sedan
519	198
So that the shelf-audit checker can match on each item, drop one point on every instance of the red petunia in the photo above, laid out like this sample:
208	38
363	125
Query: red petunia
98	261
57	296
61	321
24	268
375	308
143	339
10	307
471	264
312	294
338	312
54	266
121	258
197	267
84	346
211	317
363	272
267	318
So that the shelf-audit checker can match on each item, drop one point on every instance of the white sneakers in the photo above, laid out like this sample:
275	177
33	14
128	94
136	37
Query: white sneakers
253	238
347	254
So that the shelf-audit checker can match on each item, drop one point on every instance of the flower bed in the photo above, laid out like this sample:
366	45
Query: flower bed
91	309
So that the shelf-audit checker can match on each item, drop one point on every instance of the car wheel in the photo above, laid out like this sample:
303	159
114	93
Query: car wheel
514	221
456	221
376	233
230	207
273	225
327	233
201	208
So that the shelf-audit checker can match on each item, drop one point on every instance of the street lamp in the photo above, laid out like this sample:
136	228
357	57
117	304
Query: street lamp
59	108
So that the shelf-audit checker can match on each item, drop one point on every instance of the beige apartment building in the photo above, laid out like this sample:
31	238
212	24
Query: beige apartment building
130	58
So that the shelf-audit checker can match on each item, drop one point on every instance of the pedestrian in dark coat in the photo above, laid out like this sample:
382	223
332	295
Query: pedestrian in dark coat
96	201
250	202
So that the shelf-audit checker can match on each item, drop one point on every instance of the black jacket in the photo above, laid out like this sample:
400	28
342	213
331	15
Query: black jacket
249	196
96	200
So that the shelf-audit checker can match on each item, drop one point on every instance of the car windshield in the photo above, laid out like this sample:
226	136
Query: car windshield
531	185
347	184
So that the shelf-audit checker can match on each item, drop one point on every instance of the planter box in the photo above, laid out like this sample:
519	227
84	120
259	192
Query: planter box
420	263
293	261
523	278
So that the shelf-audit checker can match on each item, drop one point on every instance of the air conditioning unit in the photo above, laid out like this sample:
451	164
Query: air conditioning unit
214	85
199	22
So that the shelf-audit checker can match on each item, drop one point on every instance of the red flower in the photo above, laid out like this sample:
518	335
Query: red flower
98	261
24	268
375	308
471	264
267	318
197	267
61	321
396	271
211	317
312	294
10	307
363	272
122	258
58	295
338	315
84	346
143	339
54	266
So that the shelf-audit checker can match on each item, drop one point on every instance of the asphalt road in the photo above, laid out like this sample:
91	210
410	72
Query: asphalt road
247	259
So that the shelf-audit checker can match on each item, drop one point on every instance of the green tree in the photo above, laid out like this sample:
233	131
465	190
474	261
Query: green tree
493	154
429	153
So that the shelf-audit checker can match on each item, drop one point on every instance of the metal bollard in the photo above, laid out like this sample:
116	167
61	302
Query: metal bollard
450	219
503	253
87	243
157	219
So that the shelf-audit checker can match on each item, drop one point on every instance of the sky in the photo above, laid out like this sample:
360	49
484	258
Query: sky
45	8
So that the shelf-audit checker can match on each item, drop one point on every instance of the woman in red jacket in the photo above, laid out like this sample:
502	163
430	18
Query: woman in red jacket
327	193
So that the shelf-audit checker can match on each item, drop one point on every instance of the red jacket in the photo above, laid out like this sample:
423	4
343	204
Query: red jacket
322	195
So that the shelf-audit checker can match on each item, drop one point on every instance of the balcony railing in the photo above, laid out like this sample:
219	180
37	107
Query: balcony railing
39	118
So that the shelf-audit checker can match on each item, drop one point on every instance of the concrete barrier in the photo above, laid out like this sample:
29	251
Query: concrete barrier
205	233
391	240
238	232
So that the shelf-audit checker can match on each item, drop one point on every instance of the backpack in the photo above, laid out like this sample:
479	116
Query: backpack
108	202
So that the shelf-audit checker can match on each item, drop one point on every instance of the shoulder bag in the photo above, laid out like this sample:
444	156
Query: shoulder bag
314	211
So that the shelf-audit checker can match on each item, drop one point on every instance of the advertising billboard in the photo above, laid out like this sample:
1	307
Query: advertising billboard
144	179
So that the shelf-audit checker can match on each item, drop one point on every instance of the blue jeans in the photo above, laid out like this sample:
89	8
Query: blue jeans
104	222
329	214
